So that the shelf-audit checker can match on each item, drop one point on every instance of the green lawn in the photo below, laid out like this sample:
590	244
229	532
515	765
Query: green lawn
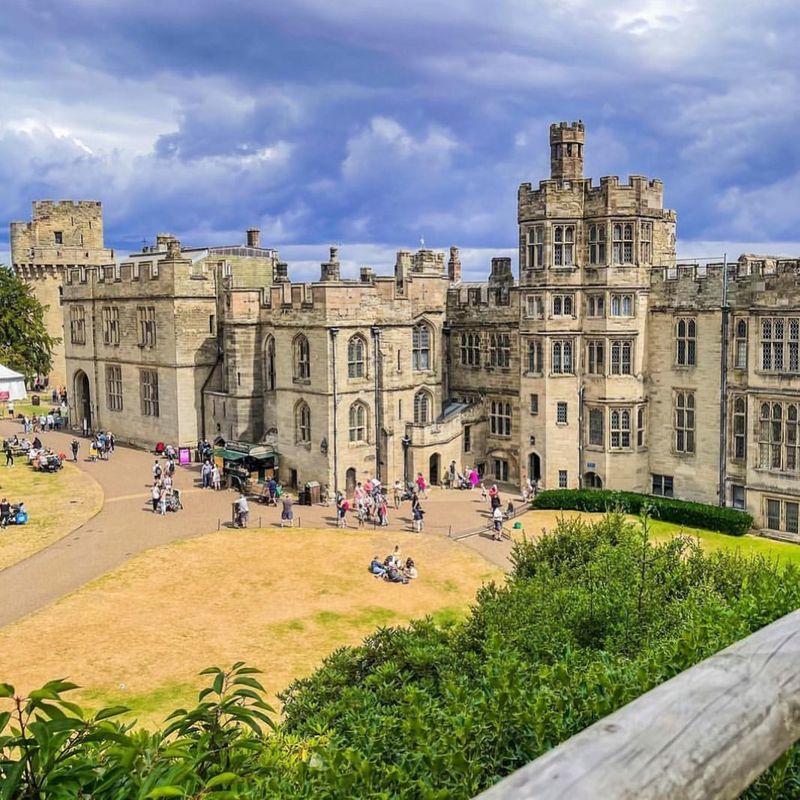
747	545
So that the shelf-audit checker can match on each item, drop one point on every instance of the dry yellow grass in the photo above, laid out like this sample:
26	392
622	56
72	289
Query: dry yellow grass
57	504
278	600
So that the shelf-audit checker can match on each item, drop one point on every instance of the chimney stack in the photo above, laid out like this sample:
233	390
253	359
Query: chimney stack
454	266
253	237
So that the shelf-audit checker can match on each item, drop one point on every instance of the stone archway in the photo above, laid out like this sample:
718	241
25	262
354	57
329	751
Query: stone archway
434	470
591	480
83	401
534	467
350	482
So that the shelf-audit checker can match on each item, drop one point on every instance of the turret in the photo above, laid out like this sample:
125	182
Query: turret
566	151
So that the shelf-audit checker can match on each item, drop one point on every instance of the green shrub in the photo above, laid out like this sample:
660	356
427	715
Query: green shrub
693	515
592	617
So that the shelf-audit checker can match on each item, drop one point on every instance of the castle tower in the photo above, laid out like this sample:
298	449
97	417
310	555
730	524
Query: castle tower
61	234
566	151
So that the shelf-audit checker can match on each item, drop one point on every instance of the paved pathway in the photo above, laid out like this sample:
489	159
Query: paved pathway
126	525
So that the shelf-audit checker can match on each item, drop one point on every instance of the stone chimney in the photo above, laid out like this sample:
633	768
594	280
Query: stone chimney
173	248
162	240
367	275
330	269
501	274
454	266
253	237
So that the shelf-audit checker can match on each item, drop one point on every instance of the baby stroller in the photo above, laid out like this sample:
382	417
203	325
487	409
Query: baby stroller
409	491
174	501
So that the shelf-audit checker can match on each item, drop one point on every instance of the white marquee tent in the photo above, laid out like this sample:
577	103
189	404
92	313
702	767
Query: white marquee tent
12	385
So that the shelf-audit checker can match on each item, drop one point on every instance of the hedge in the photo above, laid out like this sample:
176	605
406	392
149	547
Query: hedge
693	515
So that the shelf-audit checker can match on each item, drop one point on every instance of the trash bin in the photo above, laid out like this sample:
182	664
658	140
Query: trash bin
302	497
36	400
313	492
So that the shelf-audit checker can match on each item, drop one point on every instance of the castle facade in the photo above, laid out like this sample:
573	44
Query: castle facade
607	364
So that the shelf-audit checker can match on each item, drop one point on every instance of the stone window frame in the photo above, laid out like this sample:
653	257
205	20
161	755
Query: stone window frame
780	344
645	242
146	325
623	304
562	412
114	398
500	469
739	428
535	247
779	436
535	361
357	360
619	428
534	404
423	407
148	389
563	244
662	485
110	315
562	357
421	347
269	363
470	349
302	423
358	422
563	479
685	422
596	305
560	301
534	306
735	503
596	357
620	360
595	427
686	342
788	514
500	350
740	344
500	418
622	242
77	324
301	358
641	426
597	240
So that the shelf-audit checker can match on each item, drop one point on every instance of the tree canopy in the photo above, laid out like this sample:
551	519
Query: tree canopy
25	344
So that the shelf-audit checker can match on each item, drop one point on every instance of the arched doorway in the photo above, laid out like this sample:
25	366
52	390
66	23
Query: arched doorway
83	401
350	481
434	470
591	480
534	467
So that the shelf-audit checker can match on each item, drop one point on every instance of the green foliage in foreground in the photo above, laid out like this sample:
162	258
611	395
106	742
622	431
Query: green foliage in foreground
593	616
693	515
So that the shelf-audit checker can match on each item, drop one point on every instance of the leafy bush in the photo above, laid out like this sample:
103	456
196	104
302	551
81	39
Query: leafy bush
592	617
693	515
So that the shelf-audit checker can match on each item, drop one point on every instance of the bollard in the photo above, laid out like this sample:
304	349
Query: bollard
449	531
219	523
259	522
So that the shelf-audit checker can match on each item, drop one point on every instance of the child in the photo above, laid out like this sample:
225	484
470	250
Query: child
93	451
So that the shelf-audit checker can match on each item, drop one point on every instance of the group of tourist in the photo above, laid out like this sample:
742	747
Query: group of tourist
210	475
393	569
469	478
38	456
163	494
100	447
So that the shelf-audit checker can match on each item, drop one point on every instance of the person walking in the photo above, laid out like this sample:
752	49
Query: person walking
9	454
5	512
287	515
422	486
155	496
243	510
497	523
205	474
417	515
74	445
156	470
162	501
216	478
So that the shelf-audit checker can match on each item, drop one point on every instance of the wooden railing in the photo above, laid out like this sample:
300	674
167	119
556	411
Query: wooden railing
707	733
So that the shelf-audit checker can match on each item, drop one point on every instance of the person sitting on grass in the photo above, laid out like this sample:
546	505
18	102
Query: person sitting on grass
376	567
409	570
395	575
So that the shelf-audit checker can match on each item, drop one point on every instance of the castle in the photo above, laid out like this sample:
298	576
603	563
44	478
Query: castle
607	364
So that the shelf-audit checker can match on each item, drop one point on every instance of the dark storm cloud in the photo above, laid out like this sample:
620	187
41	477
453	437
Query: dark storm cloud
377	123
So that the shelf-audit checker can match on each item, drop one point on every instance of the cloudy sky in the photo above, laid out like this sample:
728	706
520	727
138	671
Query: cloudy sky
372	124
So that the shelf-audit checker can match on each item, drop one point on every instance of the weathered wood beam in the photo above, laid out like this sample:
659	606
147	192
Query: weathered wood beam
707	733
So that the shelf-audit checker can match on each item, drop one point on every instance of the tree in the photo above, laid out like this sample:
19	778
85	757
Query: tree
25	344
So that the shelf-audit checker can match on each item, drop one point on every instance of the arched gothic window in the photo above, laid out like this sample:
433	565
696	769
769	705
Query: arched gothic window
357	421
421	347
422	407
302	422
302	358
269	364
356	357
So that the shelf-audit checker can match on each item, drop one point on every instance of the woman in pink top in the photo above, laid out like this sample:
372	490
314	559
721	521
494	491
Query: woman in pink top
421	485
